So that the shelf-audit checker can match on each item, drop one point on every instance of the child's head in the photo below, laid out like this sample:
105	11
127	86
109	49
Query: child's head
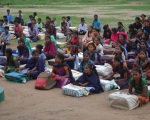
47	34
34	14
21	42
131	27
114	30
106	27
95	31
67	18
143	44
51	23
30	25
122	37
63	19
120	24
145	36
54	19
136	73
69	44
91	47
5	20
95	17
16	22
118	61
140	31
137	20
8	52
147	23
39	20
118	50
142	54
75	33
33	21
20	12
30	17
22	36
69	32
97	40
6	29
59	58
65	24
47	39
74	49
82	21
48	19
35	54
89	68
39	48
8	11
86	56
118	43
143	16
90	28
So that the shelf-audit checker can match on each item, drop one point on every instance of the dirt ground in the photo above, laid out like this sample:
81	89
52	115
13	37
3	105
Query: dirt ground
23	102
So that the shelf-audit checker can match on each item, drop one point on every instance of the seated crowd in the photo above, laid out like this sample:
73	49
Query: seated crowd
126	45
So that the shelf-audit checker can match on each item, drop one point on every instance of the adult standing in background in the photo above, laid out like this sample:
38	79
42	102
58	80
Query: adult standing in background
9	16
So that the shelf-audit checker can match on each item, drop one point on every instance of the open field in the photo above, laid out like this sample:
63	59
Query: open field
23	102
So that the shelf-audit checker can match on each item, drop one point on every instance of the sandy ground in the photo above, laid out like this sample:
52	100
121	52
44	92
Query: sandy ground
23	102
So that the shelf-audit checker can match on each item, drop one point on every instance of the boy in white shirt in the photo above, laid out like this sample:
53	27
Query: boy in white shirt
82	28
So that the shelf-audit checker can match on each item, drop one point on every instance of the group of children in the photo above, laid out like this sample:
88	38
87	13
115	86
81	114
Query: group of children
135	40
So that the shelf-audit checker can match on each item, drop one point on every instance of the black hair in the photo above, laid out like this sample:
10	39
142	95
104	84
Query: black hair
34	20
68	17
98	38
34	52
96	29
63	17
121	23
9	51
86	52
75	49
75	32
137	69
48	18
118	58
30	16
61	57
21	40
93	68
6	27
48	37
92	29
35	13
40	19
8	10
29	25
121	48
142	50
122	35
16	20
138	18
71	30
146	36
92	45
20	11
131	26
95	15
5	16
114	30
6	20
105	26
40	47
52	21
143	41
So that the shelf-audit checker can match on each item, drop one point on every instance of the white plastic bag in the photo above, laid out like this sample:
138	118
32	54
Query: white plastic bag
109	85
123	100
104	70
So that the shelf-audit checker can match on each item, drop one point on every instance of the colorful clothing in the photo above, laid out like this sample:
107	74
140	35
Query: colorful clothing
114	37
83	64
87	37
93	80
53	39
18	29
27	42
68	38
107	34
97	24
11	65
9	17
99	48
60	70
52	31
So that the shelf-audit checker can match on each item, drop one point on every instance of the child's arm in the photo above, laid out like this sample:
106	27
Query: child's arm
26	54
130	89
70	58
32	70
144	89
16	63
85	84
124	79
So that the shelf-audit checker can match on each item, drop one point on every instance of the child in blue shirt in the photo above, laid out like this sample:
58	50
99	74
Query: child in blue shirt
96	23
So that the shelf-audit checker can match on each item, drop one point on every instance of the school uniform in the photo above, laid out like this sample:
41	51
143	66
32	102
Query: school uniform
82	29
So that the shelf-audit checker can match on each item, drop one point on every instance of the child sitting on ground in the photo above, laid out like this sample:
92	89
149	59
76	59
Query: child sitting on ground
39	24
72	58
120	27
69	35
107	32
52	30
49	49
86	60
61	72
90	79
94	55
139	86
99	46
68	48
34	66
11	63
64	29
123	72
143	62
42	56
82	28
